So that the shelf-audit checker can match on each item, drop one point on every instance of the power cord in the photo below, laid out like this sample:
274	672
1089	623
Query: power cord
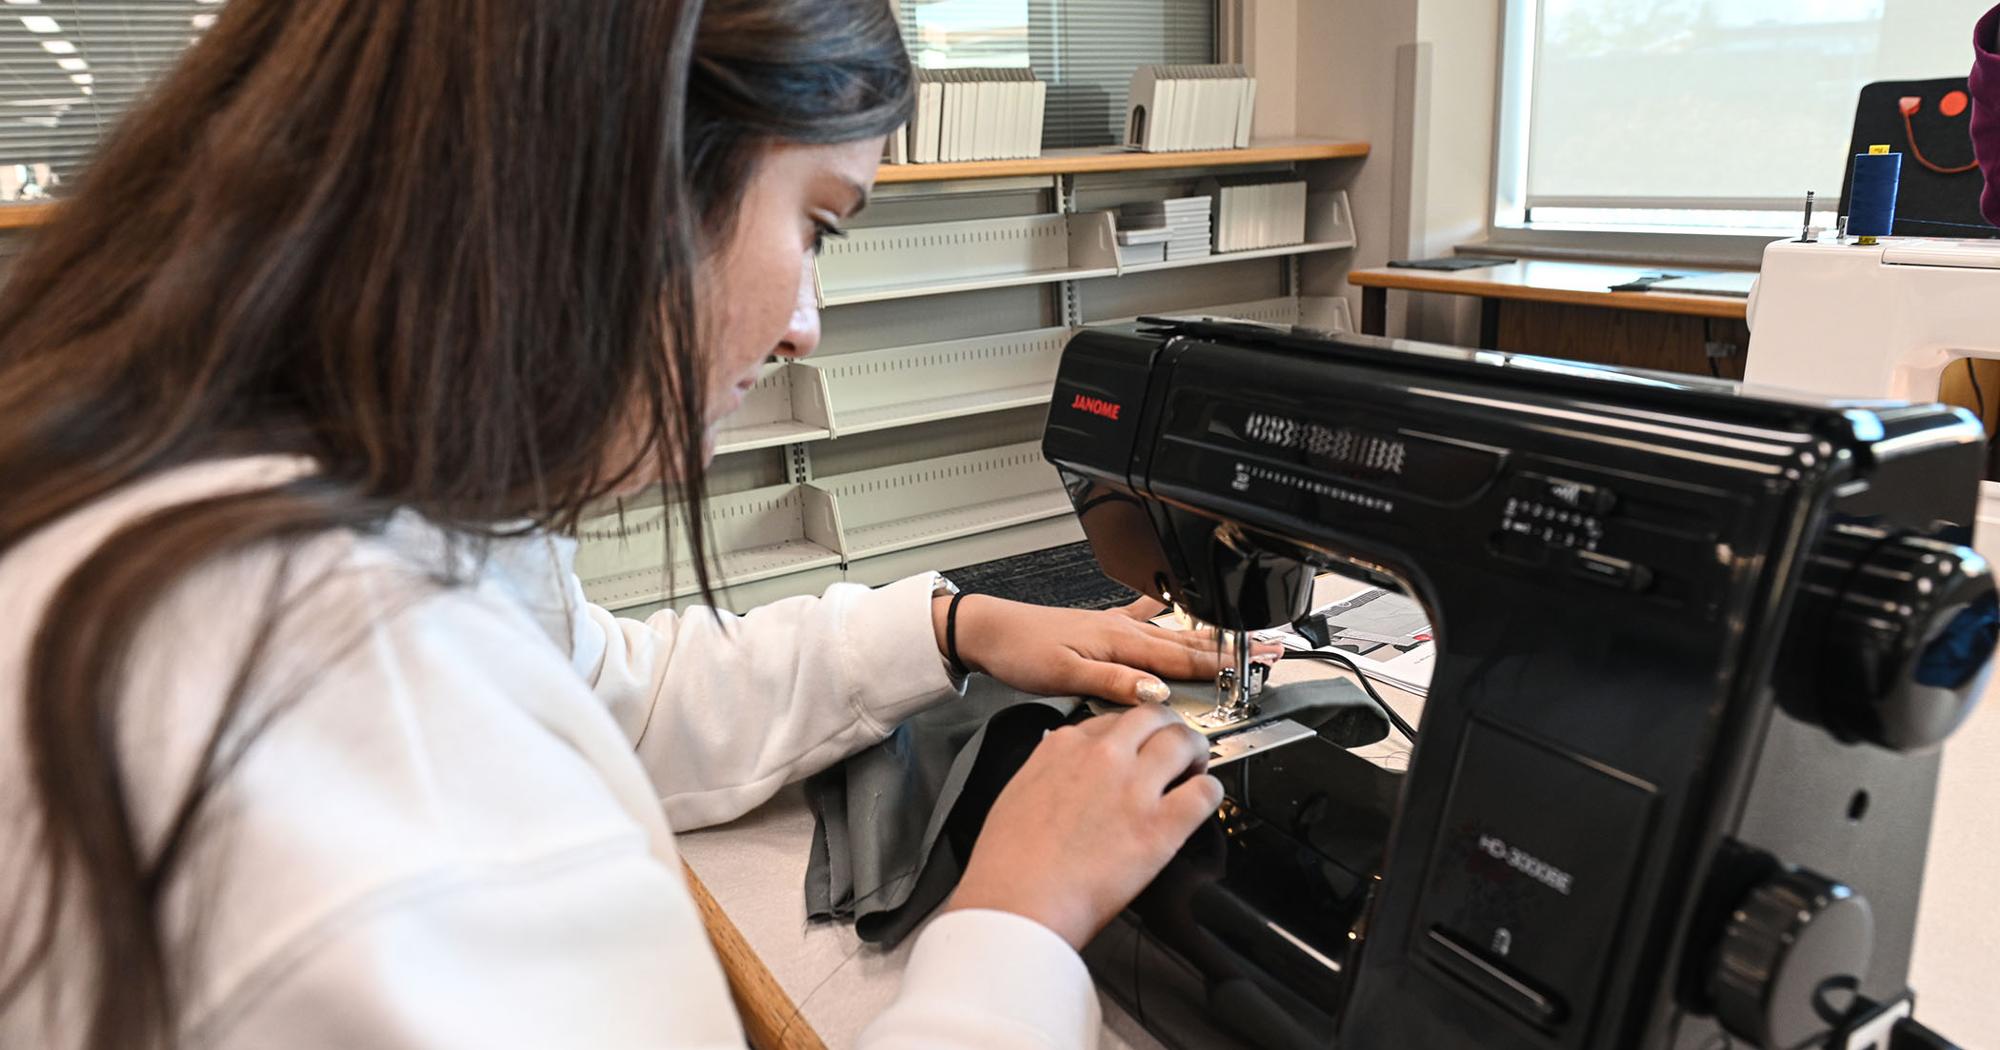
1978	395
1326	656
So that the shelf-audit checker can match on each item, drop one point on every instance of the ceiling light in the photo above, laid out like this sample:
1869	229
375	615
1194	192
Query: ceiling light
87	89
73	65
83	78
42	122
41	24
59	47
24	3
41	102
203	20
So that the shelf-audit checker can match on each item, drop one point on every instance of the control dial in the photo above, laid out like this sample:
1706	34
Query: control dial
1797	942
1907	639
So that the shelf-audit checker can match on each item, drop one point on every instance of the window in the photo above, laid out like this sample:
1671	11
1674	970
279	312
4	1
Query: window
1085	49
68	71
1712	115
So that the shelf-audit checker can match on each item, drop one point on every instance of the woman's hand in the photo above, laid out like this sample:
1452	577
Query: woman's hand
1088	820
1056	652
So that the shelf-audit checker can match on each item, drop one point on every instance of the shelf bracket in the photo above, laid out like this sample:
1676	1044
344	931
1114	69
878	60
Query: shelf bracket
798	463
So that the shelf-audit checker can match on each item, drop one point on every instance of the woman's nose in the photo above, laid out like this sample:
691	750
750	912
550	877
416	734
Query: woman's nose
802	334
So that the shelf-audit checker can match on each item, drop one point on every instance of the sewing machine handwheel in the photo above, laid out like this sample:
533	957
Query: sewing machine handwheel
1794	940
1910	643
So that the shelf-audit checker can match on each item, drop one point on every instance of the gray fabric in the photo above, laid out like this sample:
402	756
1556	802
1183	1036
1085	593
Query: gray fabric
896	822
879	854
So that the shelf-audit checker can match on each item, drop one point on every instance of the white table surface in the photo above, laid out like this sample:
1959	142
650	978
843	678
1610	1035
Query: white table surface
755	867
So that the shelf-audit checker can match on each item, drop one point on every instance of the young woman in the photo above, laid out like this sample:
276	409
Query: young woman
308	736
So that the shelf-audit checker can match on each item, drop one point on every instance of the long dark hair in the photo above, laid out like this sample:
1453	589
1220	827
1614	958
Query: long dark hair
445	249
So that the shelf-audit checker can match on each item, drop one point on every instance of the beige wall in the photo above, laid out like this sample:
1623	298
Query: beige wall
1463	37
1358	71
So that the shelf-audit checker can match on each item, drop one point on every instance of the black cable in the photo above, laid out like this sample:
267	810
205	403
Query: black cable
1978	395
1328	656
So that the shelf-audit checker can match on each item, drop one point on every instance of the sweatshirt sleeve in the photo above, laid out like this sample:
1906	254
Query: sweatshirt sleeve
725	709
989	980
1984	85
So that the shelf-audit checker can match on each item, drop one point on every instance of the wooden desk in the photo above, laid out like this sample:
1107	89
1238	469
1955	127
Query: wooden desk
1566	309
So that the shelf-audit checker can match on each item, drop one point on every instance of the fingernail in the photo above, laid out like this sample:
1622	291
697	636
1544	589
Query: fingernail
1154	691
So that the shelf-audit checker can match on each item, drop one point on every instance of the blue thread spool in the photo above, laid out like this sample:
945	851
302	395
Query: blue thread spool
1871	204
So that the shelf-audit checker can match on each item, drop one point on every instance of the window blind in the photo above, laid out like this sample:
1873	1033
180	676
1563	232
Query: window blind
71	70
1739	105
1085	49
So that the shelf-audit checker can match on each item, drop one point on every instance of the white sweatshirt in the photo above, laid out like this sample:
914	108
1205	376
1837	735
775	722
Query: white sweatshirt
454	831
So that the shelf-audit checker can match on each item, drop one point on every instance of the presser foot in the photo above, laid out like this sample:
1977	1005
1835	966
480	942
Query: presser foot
1236	694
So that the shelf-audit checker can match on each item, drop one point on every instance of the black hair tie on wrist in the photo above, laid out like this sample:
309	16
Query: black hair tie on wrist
958	668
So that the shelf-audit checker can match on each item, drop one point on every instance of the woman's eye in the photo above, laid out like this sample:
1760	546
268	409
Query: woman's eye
822	231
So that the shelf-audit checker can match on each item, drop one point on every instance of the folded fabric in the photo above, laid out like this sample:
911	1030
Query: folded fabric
896	823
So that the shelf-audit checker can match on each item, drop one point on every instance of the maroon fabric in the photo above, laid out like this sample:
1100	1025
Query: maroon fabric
1985	87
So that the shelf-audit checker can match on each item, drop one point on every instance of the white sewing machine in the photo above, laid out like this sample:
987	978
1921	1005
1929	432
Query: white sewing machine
1886	320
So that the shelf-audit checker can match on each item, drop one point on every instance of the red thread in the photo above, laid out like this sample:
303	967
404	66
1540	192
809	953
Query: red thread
1918	151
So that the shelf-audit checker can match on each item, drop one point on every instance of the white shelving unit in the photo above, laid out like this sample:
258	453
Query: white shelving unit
901	445
894	508
773	414
877	263
759	535
906	385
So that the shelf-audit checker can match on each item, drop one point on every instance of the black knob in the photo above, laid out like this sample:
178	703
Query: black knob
1908	638
1795	938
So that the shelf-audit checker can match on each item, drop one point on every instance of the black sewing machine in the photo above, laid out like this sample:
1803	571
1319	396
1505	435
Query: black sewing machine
1696	648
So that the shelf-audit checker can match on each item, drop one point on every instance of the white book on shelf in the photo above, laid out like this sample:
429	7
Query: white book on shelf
930	99
1246	106
1199	113
1170	96
1038	104
967	132
968	111
950	125
947	115
985	114
1021	93
1019	99
1218	109
999	141
1194	89
1198	121
1265	227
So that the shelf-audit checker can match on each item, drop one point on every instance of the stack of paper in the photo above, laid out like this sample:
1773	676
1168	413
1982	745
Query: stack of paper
1259	215
1186	220
1189	107
1387	635
1143	245
973	114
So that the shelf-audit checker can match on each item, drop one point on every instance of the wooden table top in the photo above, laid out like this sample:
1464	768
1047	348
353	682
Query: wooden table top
1552	281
